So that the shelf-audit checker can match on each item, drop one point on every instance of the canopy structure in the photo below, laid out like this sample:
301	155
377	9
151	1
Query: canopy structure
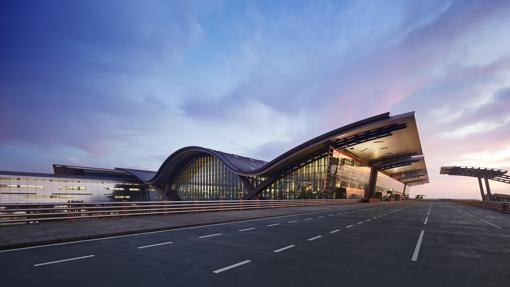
389	144
479	172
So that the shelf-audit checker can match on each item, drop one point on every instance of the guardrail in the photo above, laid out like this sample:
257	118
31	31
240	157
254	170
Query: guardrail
494	205
35	213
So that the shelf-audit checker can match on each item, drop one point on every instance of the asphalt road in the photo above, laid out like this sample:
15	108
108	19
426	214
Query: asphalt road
405	244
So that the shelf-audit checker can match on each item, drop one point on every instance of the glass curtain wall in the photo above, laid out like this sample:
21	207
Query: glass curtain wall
207	178
352	177
349	179
306	182
387	185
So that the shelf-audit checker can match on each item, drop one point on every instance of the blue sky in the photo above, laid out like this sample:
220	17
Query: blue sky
126	83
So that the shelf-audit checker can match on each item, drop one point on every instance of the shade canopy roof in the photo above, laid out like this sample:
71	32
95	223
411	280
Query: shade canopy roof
398	154
489	173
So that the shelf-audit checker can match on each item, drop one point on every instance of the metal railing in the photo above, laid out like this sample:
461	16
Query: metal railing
35	213
500	206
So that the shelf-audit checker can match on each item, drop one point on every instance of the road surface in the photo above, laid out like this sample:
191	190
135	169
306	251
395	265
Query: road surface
418	243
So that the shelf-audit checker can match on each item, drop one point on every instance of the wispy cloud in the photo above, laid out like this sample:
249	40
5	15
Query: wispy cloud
127	83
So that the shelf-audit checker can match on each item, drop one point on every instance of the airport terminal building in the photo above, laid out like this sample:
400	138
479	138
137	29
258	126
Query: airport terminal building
377	157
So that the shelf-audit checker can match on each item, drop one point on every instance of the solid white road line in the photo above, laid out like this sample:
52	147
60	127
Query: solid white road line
153	245
246	229
334	231
210	235
349	226
309	218
491	224
274	224
426	219
292	221
231	266
482	220
63	260
284	248
417	248
316	237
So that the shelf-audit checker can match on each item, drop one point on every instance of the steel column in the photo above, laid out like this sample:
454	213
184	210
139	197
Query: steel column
488	188
481	188
371	183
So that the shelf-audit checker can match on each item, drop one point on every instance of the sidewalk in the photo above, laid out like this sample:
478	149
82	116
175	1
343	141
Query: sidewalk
16	236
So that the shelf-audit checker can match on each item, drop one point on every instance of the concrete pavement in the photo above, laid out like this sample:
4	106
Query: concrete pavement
13	236
357	247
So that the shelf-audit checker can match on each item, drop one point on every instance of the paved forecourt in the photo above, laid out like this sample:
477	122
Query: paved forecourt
404	244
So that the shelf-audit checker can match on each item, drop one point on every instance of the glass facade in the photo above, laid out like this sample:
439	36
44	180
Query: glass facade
352	177
348	178
306	182
331	175
207	178
37	189
388	185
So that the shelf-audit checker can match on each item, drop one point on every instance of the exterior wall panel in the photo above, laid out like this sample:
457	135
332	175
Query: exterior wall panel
39	189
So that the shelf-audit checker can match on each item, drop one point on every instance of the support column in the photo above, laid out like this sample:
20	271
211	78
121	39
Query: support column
371	183
481	188
331	170
488	188
248	185
404	191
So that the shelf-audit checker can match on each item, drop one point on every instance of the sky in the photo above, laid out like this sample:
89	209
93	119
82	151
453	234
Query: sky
126	83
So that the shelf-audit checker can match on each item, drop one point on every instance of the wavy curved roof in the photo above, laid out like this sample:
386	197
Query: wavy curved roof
358	138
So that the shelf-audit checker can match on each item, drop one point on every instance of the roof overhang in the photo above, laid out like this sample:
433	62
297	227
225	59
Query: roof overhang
391	143
398	154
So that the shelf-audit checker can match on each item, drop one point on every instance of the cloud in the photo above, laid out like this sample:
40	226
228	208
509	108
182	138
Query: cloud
126	84
475	128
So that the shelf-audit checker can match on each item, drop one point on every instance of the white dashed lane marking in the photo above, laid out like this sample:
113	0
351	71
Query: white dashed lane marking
154	245
284	248
417	248
209	235
231	266
246	229
314	238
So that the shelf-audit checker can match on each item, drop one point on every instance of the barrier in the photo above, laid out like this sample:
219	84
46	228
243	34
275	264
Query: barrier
500	206
35	213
